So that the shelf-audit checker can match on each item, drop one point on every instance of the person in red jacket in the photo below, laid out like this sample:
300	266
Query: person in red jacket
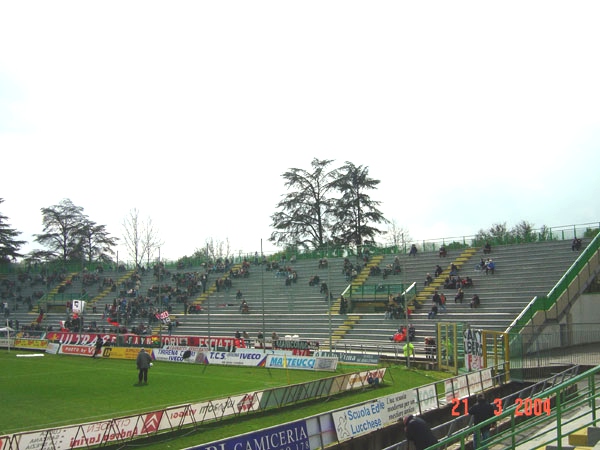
399	336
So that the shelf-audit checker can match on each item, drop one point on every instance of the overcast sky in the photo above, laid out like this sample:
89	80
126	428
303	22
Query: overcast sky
470	113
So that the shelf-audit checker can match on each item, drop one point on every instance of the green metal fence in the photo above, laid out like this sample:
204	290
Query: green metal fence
573	405
563	232
545	302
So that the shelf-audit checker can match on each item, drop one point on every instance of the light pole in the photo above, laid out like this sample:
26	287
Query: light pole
207	299
262	296
159	300
405	300
329	297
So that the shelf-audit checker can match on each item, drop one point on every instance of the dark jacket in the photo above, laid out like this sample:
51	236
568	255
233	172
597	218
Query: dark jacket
418	431
143	360
481	411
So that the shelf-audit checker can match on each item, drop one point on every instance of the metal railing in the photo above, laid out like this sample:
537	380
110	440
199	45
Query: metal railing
561	232
544	303
567	402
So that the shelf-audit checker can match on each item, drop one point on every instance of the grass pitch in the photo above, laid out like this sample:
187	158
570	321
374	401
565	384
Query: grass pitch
55	390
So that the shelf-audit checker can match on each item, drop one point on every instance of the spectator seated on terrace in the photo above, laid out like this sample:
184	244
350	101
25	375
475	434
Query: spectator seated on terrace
389	312
428	280
576	244
314	280
323	263
375	270
438	270
399	336
443	251
244	307
194	309
412	333
487	248
490	266
413	250
387	271
460	295
433	312
272	266
475	301
343	305
430	348
324	288
453	269
467	282
457	282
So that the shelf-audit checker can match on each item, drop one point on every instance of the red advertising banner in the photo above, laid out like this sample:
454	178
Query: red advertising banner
81	350
66	337
216	342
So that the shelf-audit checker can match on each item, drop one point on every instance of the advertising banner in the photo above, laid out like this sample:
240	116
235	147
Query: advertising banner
486	379
79	350
211	410
31	344
121	352
399	405
456	388
216	342
360	379
351	358
86	435
285	437
52	348
359	420
66	337
247	358
171	353
474	380
427	398
290	362
297	346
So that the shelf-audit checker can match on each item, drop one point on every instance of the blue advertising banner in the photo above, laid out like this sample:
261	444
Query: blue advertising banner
291	436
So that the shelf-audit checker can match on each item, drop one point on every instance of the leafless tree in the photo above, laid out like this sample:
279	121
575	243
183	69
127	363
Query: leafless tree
215	249
140	237
397	236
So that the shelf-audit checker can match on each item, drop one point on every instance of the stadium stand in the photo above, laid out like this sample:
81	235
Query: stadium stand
302	308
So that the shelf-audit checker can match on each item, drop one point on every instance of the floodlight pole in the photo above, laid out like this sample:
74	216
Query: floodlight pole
405	300
207	297
262	294
329	297
159	302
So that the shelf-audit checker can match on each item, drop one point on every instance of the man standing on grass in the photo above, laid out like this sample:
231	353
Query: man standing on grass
97	346
143	362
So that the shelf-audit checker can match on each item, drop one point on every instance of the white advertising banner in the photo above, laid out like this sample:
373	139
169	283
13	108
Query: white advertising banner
246	358
486	379
399	405
474	380
456	388
360	420
427	398
291	362
86	435
360	379
171	353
